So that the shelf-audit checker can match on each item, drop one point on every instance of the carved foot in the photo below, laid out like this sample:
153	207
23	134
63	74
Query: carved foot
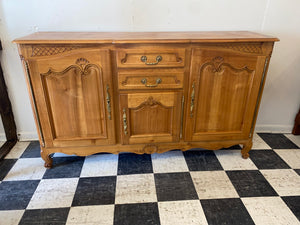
48	160
246	148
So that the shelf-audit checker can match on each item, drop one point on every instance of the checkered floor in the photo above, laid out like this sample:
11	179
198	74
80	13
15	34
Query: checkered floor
184	188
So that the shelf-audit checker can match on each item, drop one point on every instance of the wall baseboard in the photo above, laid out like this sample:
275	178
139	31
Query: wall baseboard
22	136
32	136
274	128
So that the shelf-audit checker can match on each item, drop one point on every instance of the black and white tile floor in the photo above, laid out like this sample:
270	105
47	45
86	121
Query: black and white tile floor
184	188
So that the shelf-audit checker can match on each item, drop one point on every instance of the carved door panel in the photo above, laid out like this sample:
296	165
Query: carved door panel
150	117
73	93
223	91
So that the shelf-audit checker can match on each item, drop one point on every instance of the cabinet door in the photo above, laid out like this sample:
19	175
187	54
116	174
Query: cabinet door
223	91
74	98
150	117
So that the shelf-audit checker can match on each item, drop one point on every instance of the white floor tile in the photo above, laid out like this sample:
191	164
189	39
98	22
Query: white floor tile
169	162
11	217
17	150
269	211
100	165
92	215
259	143
181	212
232	160
213	184
286	182
27	169
290	156
294	138
59	154
136	188
54	193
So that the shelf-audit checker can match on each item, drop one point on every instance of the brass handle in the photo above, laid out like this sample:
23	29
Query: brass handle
108	102
192	99
144	81
144	59
124	121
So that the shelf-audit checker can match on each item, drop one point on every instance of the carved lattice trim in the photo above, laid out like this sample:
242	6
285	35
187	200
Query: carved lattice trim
53	50
248	48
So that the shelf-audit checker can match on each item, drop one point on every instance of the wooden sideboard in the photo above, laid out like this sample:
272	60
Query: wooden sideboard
144	92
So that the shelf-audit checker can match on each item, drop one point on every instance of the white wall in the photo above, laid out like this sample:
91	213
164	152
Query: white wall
281	98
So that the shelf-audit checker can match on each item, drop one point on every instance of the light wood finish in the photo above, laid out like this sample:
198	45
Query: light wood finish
129	80
151	117
225	88
71	98
144	37
127	58
96	92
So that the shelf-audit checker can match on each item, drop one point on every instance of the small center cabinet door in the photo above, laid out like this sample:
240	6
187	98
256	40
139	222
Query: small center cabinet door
73	92
150	117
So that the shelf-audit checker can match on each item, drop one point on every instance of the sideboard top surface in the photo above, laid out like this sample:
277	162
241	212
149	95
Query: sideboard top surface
144	37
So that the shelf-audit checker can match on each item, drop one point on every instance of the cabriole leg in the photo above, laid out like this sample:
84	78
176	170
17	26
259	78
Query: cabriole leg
47	158
246	148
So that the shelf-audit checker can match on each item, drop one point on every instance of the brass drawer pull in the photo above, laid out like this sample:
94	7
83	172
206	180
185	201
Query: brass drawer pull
124	121
144	59
144	81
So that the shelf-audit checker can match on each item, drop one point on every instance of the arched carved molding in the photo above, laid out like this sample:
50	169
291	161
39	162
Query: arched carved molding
82	64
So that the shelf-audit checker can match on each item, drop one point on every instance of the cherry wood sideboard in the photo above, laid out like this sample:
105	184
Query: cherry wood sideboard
144	92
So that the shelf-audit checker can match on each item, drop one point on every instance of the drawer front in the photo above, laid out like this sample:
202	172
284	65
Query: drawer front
150	58
144	80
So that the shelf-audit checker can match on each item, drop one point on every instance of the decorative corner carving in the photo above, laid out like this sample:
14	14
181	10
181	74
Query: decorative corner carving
124	60
149	149
50	50
178	59
216	63
243	47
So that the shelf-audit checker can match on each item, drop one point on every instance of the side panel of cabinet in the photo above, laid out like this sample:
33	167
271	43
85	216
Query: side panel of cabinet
74	98
223	91
150	117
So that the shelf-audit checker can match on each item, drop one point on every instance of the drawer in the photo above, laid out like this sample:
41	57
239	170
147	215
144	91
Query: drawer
150	58
153	80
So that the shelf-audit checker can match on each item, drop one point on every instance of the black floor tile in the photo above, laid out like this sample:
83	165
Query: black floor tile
65	167
16	194
55	216
250	183
277	141
297	171
202	160
33	150
95	191
293	202
267	159
130	163
233	147
174	186
226	211
136	214
5	166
